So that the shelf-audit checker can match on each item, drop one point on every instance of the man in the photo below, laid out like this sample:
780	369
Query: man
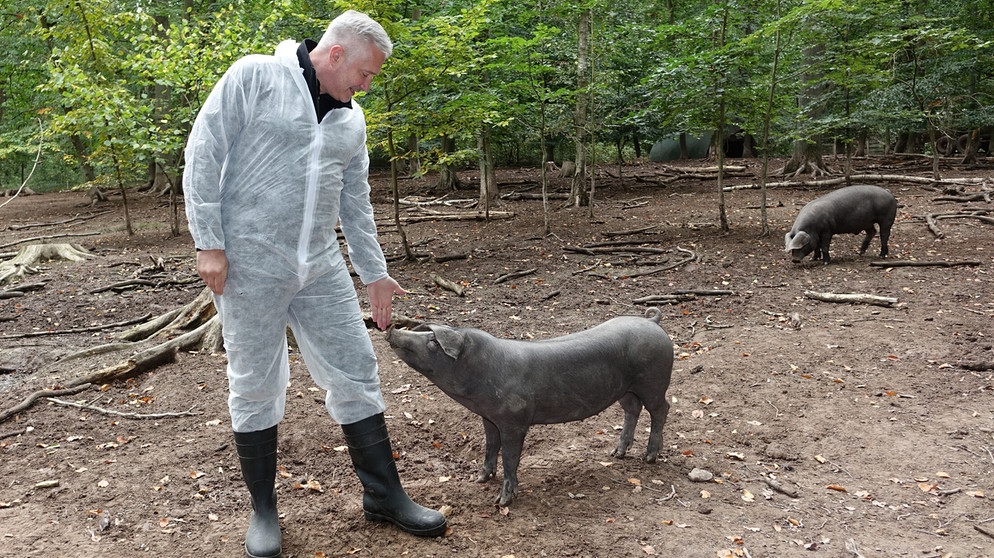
276	157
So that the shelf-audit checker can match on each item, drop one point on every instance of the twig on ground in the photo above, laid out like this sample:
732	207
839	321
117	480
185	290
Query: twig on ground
101	410
30	399
514	275
913	263
76	330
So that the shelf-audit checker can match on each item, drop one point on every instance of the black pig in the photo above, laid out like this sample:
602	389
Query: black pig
852	210
515	384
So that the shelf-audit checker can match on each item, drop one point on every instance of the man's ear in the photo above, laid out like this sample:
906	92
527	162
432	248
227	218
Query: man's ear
335	54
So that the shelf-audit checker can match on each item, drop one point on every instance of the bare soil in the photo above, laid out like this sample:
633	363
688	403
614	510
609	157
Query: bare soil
831	429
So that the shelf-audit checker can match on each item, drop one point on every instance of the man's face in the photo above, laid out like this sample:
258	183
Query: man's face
351	69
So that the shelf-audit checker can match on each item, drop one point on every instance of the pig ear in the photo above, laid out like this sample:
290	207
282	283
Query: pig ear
800	240
450	340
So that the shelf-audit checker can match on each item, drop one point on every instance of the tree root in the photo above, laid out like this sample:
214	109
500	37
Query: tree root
29	257
30	400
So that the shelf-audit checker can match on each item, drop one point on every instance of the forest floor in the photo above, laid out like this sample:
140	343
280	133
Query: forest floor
831	429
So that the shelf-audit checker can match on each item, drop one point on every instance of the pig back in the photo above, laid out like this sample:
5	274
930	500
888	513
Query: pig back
579	375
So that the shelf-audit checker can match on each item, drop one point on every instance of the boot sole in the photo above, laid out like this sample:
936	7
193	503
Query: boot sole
430	532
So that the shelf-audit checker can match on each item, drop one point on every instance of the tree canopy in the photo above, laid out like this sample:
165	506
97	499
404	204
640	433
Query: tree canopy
107	90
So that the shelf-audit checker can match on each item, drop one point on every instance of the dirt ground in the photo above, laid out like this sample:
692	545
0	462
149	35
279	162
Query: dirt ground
831	429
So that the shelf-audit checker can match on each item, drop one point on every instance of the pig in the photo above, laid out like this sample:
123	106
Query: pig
852	209
514	384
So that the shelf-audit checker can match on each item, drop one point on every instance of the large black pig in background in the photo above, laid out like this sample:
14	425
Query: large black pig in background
852	210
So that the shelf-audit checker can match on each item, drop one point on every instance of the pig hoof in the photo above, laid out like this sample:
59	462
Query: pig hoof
485	476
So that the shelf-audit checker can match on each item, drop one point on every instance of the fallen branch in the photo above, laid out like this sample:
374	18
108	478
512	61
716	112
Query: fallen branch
605	248
665	298
101	410
474	216
913	263
514	275
659	269
984	531
47	237
55	223
450	257
775	485
30	399
630	231
448	285
859	178
75	330
20	289
853	298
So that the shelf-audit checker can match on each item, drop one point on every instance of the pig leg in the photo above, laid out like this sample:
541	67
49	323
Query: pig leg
823	248
884	237
493	447
870	232
632	406
512	441
657	413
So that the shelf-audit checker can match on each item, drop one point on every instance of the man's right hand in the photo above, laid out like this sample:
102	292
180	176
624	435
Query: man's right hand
212	265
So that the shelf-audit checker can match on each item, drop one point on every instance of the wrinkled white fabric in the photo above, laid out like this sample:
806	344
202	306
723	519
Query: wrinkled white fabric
267	183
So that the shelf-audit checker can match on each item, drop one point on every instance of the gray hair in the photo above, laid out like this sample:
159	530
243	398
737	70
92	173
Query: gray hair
352	25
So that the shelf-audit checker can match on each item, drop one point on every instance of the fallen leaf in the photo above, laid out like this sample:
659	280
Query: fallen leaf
636	482
309	485
196	474
697	414
836	487
444	479
975	493
927	486
820	459
648	549
736	455
748	496
705	494
942	475
401	389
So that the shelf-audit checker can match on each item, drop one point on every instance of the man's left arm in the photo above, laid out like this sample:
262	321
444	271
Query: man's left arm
359	227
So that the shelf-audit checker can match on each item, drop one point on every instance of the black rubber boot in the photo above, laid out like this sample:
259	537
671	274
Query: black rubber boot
384	498
257	455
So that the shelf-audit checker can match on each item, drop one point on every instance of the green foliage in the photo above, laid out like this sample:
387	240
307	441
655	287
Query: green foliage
107	86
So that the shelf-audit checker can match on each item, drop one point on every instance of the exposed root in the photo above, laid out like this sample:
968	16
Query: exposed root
29	257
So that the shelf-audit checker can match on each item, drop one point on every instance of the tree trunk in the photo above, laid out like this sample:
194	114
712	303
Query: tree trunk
488	175
448	181
578	191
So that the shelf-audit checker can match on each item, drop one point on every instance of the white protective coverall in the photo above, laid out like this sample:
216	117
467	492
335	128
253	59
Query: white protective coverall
267	183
